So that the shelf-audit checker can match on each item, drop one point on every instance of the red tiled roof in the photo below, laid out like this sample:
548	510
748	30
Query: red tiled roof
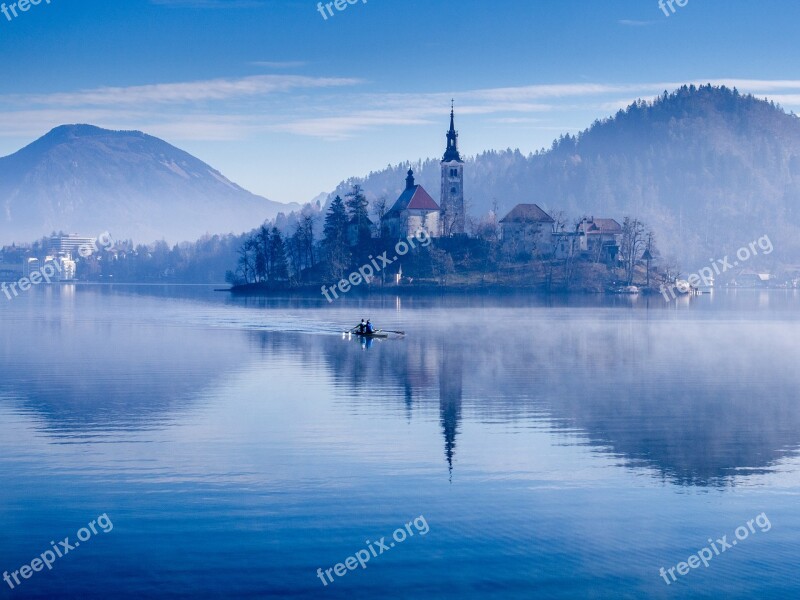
414	198
421	200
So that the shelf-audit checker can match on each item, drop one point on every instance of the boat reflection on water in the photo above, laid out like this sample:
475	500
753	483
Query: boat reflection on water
547	446
704	407
613	388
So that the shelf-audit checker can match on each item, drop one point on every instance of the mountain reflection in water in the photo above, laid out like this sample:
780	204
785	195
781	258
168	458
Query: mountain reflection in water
696	408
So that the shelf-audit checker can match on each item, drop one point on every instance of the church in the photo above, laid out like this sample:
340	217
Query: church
415	209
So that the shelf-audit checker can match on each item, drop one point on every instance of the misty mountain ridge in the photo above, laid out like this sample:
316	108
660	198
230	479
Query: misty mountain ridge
84	179
708	169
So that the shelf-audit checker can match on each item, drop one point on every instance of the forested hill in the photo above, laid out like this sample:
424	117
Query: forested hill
707	168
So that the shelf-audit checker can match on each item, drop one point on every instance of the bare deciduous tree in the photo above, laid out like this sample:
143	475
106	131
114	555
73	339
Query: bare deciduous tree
634	241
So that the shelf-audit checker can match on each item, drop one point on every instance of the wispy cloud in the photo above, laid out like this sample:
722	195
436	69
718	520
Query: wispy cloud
270	64
508	105
635	23
516	120
209	3
189	92
330	108
786	100
333	128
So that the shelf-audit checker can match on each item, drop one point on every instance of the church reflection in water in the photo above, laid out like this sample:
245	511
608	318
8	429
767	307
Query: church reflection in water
451	390
704	413
623	397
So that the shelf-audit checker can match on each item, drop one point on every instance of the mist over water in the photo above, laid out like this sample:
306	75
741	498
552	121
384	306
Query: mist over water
556	448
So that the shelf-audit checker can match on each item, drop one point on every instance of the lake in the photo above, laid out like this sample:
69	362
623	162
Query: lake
203	446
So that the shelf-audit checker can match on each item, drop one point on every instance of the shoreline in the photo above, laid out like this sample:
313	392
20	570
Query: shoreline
306	291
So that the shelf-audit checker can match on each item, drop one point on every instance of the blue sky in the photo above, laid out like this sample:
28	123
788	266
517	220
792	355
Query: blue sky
287	104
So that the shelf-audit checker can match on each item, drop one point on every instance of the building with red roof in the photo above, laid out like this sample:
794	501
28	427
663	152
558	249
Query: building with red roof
413	210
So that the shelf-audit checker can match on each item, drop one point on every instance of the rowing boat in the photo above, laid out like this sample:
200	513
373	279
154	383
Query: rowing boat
374	334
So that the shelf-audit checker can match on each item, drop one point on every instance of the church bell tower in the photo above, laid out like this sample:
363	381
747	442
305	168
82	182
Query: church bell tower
453	218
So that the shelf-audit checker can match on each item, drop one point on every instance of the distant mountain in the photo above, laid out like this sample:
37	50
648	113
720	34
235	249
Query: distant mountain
87	180
709	169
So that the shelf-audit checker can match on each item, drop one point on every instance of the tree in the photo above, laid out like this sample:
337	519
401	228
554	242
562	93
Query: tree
300	245
306	226
232	278
379	209
294	247
634	241
278	267
572	251
261	244
246	264
335	244
441	264
358	208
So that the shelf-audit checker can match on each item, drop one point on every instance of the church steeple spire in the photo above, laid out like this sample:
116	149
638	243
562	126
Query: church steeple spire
451	154
452	220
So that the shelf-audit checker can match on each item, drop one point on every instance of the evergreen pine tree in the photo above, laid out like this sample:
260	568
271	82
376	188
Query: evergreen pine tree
279	268
337	248
358	208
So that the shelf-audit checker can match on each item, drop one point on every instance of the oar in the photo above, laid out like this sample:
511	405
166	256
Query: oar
392	331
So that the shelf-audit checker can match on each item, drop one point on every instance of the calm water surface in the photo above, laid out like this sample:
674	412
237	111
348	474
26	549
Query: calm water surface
548	449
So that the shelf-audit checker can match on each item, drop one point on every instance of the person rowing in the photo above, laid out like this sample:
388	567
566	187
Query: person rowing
370	328
362	327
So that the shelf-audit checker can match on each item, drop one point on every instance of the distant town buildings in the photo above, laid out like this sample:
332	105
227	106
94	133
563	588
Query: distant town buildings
60	252
63	265
31	265
70	244
751	279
